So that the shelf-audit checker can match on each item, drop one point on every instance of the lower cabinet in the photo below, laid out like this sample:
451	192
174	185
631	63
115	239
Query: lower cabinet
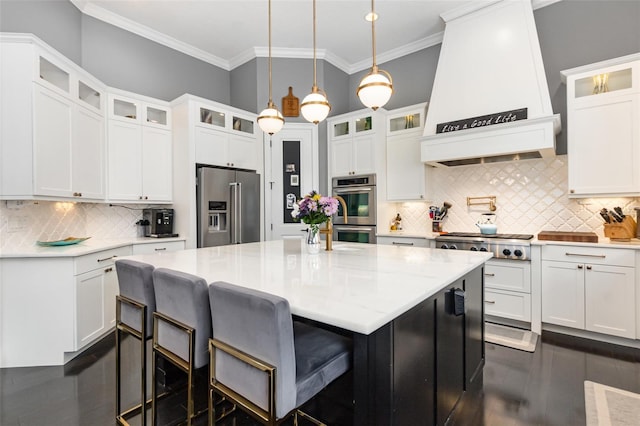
590	289
508	289
159	247
402	241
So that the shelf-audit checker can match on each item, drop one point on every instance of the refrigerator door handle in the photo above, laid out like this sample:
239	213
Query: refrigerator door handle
239	212
233	189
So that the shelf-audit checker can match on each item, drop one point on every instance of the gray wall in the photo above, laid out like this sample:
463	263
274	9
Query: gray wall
574	33
57	22
127	61
244	86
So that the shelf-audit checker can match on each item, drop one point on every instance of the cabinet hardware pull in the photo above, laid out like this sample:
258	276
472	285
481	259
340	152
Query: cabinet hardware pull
489	274
580	266
589	267
395	243
107	258
160	249
491	302
602	256
108	269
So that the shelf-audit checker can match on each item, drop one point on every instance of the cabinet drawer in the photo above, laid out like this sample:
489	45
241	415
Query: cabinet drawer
506	304
99	259
512	275
164	247
593	255
402	241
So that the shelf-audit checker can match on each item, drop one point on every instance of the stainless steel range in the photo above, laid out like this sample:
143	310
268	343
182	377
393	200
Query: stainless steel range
503	246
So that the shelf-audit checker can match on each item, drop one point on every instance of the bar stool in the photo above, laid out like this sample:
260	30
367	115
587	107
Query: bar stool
263	361
181	328
134	306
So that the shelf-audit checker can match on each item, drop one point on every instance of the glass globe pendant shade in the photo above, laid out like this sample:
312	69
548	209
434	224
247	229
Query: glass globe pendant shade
375	89
315	107
270	119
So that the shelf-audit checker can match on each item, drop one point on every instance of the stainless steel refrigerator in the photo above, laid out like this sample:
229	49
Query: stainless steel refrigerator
228	206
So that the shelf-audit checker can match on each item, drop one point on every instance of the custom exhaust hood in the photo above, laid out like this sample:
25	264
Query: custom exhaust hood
490	99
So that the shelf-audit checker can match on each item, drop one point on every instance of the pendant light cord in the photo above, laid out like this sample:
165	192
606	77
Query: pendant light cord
373	32
314	45
270	94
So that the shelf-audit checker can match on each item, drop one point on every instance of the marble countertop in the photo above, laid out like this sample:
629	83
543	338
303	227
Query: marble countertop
357	287
633	243
407	234
91	245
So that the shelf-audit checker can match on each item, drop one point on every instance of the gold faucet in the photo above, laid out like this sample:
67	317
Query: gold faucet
328	230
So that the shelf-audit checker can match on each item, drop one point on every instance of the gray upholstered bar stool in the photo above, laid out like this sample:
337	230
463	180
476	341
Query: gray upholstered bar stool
134	306
181	328
262	360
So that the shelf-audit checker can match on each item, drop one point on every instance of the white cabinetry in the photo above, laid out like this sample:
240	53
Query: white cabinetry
225	138
401	241
209	133
588	288
603	124
52	307
53	124
508	289
353	143
406	173
140	152
159	247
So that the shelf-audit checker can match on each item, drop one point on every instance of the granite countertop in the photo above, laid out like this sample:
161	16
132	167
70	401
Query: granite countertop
357	287
91	245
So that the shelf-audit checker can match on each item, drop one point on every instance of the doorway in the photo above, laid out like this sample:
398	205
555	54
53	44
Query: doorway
291	172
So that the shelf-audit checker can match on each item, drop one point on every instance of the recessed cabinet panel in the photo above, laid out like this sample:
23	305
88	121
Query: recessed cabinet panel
54	75
87	155
156	164
610	300
89	95
125	161
89	307
563	294
52	133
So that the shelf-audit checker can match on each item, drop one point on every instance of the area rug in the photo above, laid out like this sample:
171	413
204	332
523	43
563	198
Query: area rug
607	406
510	337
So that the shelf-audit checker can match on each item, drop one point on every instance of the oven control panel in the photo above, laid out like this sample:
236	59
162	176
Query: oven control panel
514	250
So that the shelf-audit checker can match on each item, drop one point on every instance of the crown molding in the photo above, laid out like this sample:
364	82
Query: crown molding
472	7
148	33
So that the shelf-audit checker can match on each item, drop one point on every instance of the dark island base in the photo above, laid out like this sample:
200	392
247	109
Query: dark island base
425	367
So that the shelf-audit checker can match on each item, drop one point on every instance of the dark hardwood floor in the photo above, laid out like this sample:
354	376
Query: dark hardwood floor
520	388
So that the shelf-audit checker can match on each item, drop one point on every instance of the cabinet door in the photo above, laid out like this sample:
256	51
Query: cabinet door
52	128
604	147
110	292
341	153
88	155
156	164
405	171
211	147
563	293
90	315
364	154
243	152
610	300
125	161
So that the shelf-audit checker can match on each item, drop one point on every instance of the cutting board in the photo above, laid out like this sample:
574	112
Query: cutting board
581	237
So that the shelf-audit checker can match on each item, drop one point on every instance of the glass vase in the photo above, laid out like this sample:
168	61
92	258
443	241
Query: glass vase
313	239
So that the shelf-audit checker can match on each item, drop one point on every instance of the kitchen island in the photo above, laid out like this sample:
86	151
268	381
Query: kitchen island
415	361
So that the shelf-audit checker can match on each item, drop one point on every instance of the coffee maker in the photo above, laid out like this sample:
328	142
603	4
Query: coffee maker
160	223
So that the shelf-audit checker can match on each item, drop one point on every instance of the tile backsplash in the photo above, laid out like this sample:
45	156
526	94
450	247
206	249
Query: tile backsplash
22	223
531	196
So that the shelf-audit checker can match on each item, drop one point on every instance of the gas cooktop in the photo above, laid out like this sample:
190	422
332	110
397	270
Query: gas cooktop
479	235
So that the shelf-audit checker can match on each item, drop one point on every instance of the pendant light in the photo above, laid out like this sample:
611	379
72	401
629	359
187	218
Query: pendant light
376	87
315	106
270	119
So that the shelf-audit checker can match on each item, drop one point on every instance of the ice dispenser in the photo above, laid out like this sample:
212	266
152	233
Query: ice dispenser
217	216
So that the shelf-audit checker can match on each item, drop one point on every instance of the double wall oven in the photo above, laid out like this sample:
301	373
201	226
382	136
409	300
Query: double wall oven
359	194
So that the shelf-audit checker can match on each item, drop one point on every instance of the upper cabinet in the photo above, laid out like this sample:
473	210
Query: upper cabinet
603	125
56	110
225	137
140	152
406	173
353	140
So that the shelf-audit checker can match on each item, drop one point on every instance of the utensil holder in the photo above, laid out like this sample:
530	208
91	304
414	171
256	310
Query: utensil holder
624	230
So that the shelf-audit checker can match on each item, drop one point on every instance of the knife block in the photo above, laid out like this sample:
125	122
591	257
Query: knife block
624	230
